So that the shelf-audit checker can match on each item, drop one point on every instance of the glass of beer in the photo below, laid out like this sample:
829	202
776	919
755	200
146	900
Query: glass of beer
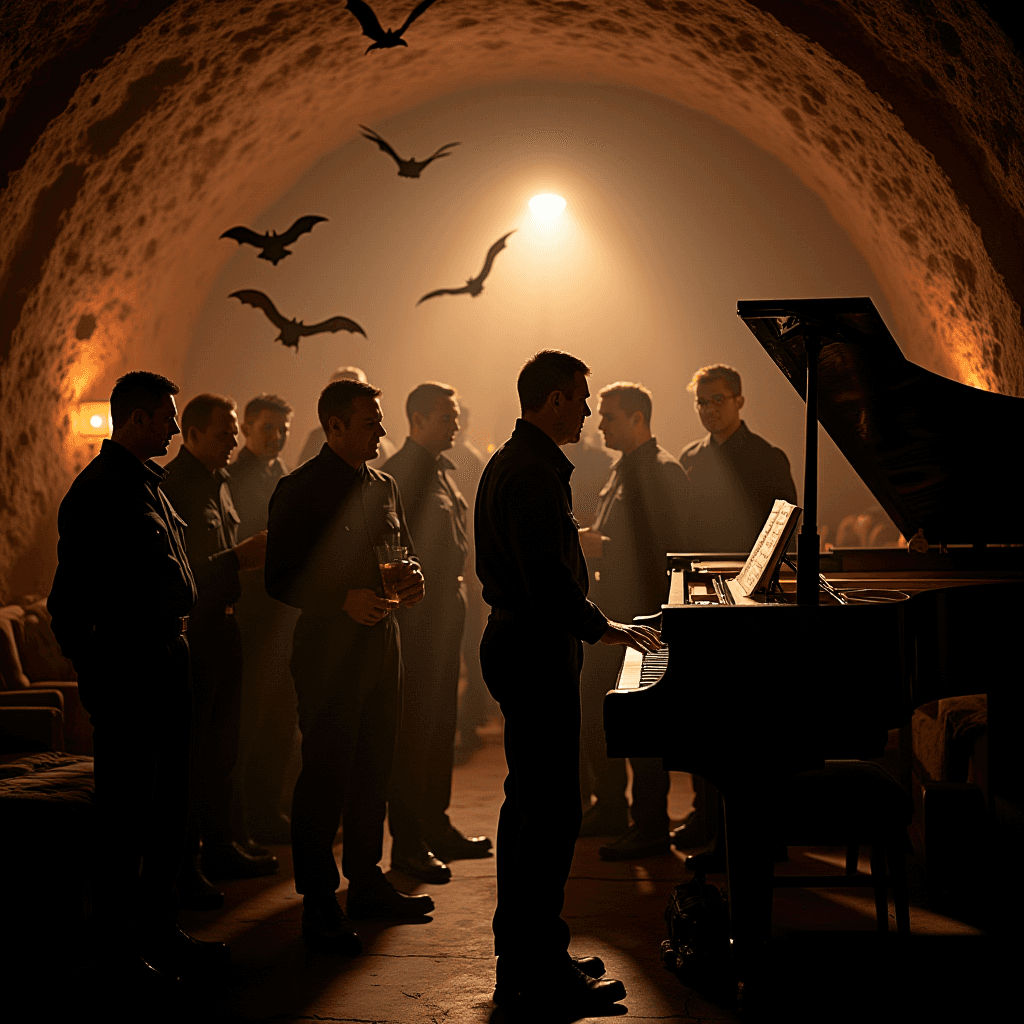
391	559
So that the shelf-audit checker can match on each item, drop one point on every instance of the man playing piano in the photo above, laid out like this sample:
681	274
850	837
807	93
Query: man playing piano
643	512
535	579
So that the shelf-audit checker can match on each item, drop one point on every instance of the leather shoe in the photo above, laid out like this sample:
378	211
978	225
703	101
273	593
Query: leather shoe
689	835
175	952
708	862
420	862
571	990
602	821
450	844
195	892
254	849
380	899
229	860
276	830
326	929
508	973
635	844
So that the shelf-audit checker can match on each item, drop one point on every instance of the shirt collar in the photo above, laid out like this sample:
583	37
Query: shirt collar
416	450
637	453
340	465
535	438
194	466
149	471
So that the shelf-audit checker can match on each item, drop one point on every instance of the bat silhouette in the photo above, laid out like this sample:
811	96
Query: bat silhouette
475	285
293	330
406	168
273	244
383	40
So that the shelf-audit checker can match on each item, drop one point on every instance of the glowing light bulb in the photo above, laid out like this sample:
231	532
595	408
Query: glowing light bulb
95	421
547	207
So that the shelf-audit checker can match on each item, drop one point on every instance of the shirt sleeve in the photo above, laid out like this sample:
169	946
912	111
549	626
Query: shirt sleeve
291	537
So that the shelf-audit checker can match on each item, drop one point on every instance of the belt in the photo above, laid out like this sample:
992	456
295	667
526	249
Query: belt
229	609
182	625
506	615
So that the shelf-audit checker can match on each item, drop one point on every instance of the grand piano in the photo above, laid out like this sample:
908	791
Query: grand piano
846	647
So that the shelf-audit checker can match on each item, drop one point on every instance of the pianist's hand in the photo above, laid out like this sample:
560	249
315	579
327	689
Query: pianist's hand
410	587
365	607
640	638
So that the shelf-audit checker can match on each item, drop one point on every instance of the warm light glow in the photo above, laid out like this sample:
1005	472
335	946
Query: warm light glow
547	207
93	420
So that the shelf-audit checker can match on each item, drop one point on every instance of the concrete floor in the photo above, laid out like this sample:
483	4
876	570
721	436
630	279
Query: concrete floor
827	961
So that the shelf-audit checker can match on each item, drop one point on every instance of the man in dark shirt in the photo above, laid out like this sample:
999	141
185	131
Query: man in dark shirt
326	518
196	483
735	475
421	782
120	603
269	716
535	579
642	513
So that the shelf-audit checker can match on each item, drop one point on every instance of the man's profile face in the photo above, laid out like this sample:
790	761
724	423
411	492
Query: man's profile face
267	434
358	440
717	406
441	426
573	410
160	427
616	423
214	445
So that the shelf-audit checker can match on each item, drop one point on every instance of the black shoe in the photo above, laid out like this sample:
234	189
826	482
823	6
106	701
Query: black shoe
231	861
635	844
380	899
175	952
326	929
508	973
602	821
708	862
450	844
571	990
276	830
421	863
194	889
251	847
689	835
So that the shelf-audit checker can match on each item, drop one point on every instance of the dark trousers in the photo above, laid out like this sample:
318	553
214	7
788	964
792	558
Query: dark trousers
421	782
217	688
605	776
348	695
269	714
534	675
140	705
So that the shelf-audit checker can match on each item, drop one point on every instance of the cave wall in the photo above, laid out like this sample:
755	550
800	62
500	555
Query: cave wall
133	131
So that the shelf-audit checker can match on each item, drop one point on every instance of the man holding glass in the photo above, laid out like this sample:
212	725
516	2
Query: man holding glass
326	520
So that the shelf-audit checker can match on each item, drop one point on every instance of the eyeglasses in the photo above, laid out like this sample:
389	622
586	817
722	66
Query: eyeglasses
716	400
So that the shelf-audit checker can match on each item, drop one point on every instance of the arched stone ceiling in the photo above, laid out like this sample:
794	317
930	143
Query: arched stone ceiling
129	128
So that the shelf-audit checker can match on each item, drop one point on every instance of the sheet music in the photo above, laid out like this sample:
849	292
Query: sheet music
769	548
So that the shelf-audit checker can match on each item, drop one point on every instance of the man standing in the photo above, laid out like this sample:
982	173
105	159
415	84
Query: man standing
535	580
129	648
269	716
196	483
642	513
325	520
421	782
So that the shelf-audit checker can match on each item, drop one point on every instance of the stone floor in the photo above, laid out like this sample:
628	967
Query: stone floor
828	962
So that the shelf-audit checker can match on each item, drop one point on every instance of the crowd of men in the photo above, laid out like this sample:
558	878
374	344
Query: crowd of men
246	599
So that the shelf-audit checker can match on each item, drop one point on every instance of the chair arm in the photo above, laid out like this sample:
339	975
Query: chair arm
77	727
26	730
32	699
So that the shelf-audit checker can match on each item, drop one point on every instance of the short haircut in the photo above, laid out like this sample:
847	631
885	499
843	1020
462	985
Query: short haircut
348	373
336	400
424	399
632	397
547	371
199	411
139	389
268	403
719	371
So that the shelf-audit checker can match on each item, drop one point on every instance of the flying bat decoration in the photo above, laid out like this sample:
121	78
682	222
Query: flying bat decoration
475	285
272	244
293	330
406	168
383	40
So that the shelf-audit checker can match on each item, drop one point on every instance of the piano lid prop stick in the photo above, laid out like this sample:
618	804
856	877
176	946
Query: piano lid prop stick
808	560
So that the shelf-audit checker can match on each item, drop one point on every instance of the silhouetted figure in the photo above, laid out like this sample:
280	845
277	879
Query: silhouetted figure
196	483
642	513
326	518
120	603
269	716
421	782
474	285
293	330
317	438
535	579
592	462
271	244
383	38
735	478
412	167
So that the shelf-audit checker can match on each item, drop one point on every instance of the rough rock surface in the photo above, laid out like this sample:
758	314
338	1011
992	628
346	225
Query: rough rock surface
128	126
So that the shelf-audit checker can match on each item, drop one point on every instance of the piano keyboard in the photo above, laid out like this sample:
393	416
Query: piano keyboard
640	670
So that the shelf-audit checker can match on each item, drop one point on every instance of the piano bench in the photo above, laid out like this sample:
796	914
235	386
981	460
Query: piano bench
851	804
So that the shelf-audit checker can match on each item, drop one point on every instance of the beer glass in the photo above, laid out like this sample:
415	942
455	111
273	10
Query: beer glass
391	559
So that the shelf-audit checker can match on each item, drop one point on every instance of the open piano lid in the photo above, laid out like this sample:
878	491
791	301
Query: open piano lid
938	455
